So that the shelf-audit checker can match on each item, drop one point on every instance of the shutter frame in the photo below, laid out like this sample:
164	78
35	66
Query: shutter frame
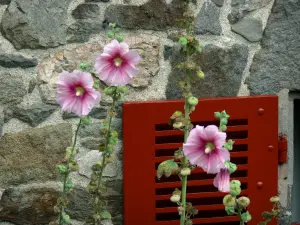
139	135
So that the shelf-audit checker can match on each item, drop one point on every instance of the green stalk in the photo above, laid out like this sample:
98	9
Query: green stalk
67	174
106	145
185	161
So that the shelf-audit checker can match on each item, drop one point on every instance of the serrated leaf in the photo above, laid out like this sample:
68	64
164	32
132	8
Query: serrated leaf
105	214
166	168
217	115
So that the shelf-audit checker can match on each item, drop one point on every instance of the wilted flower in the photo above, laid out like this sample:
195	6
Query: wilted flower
116	65
204	148
175	198
274	199
75	92
222	180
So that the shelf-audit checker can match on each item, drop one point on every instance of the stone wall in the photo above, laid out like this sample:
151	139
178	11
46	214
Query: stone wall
251	47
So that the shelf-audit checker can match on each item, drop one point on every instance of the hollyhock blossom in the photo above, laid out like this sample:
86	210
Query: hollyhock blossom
75	92
116	65
204	148
222	180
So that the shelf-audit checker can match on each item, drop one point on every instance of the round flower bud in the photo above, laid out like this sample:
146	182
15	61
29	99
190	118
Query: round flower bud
246	217
175	198
235	182
243	201
110	34
185	171
200	74
193	101
229	200
177	125
235	189
274	199
183	41
120	38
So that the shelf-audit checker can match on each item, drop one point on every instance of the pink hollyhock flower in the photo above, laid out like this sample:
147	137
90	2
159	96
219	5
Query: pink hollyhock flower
75	92
204	148
116	65
222	180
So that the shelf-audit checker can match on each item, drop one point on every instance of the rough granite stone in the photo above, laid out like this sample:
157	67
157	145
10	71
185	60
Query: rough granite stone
32	114
223	69
208	21
240	8
35	24
70	58
250	28
12	88
153	15
5	2
219	2
276	65
86	10
96	113
96	0
30	155
34	203
81	30
13	61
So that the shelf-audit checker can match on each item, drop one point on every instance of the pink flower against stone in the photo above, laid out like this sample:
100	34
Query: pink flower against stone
75	92
222	180
116	65
204	148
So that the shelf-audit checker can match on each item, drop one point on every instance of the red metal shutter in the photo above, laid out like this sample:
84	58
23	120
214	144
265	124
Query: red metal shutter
148	140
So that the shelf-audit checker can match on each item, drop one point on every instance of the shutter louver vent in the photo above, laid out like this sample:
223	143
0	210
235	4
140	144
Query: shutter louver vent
149	140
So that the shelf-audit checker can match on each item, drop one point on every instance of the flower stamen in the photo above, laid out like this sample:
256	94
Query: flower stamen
209	148
79	91
118	61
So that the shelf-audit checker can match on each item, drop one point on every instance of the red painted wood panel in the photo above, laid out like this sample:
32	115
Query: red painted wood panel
148	140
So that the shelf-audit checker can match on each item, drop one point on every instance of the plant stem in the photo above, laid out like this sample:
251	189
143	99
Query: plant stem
66	177
106	145
185	161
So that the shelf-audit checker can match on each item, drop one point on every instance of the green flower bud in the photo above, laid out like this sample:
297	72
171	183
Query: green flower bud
235	182
87	120
118	29
183	41
200	74
243	201
110	34
229	200
175	198
96	84
246	217
230	210
112	25
274	199
120	38
122	89
223	127
177	125
69	185
62	169
193	101
235	189
231	166
185	171
224	121
83	66
109	90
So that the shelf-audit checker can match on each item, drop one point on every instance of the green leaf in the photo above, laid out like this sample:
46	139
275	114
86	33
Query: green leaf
246	217
74	166
267	215
183	41
84	66
217	114
228	146
87	120
167	168
105	214
96	84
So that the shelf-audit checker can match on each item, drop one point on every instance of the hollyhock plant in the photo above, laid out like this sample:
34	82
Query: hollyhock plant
204	148
75	92
116	66
222	180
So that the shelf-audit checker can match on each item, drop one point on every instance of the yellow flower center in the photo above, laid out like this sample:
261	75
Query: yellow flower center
118	61
79	91
209	147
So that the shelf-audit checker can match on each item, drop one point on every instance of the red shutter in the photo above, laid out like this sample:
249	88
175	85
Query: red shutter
148	140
